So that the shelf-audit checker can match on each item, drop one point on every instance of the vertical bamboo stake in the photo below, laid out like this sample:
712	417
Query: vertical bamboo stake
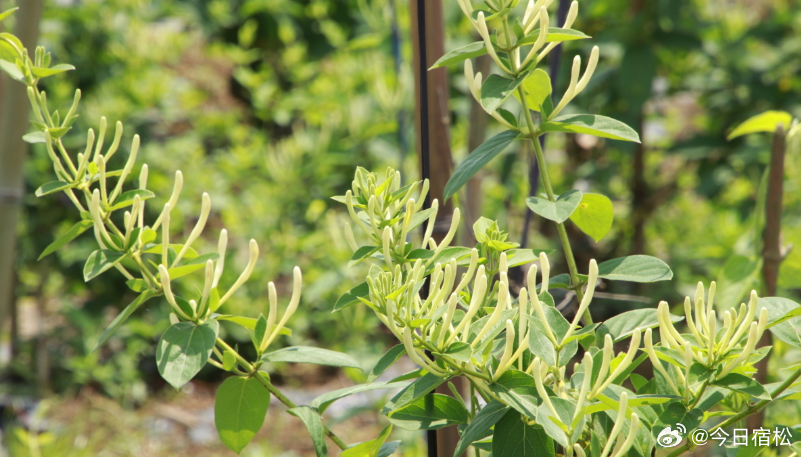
13	124
771	250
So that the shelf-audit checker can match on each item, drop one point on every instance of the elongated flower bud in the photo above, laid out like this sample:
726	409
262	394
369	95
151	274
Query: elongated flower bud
621	418
634	346
176	192
254	256
635	426
222	245
585	384
165	285
749	347
649	349
508	348
205	208
585	301
545	265
128	167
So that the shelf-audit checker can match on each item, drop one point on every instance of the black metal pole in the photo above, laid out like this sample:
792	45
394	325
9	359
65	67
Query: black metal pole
425	171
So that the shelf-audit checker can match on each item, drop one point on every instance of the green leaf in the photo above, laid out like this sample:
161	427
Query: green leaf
58	132
127	198
307	354
314	424
736	279
539	344
137	285
591	124
743	384
12	70
8	13
635	268
481	425
469	51
496	89
517	257
789	331
518	390
779	309
676	413
184	349
34	138
594	215
622	326
259	330
386	361
430	412
373	448
56	69
72	233
53	186
352	296
361	254
123	316
419	218
765	122
100	261
555	34
537	88
459	351
565	410
229	360
325	400
190	253
412	392
239	410
557	211
477	159
513	437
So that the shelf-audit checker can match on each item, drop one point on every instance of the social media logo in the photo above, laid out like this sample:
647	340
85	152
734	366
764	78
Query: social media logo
669	437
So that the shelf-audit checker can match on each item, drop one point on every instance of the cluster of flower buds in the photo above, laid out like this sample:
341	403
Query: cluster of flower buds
536	14
707	344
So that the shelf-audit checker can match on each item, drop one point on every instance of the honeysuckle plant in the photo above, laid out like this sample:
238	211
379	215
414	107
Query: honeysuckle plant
540	383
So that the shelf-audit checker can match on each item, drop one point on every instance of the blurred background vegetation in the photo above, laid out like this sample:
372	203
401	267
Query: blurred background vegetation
269	105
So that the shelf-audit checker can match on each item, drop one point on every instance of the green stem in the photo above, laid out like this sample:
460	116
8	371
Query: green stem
755	408
546	182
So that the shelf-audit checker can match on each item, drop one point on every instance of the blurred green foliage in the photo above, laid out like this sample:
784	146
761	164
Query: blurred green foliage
270	105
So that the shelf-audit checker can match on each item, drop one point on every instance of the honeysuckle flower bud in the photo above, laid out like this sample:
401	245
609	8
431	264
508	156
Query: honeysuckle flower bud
621	449
621	418
349	238
101	168
431	223
545	265
297	283
100	227
446	320
585	384
528	13
165	234
507	351
541	38
579	450
479	289
128	167
114	144
571	88
593	62
540	369
467	9
585	301
254	256
712	324
747	349
83	159
481	27
606	360
418	358
649	349
663	316
204	298
205	208
222	245
728	324
470	270
745	324
537	306
176	192
503	294
165	285
502	264
522	305
690	320
448	237
386	242
634	346
571	17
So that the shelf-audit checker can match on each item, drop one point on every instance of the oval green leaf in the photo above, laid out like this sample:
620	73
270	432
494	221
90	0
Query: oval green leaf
591	124
239	410
557	211
635	268
594	215
477	159
184	349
